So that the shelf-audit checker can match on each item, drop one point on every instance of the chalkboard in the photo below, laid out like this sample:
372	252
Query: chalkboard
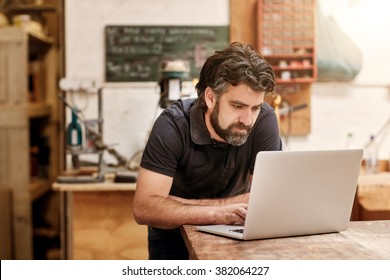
134	53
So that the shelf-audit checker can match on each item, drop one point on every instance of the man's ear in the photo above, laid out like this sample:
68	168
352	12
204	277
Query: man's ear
209	98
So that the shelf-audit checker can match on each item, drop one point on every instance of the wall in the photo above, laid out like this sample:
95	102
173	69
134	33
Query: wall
336	108
129	109
362	106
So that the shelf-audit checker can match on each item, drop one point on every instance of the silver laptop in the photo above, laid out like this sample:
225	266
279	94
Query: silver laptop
298	193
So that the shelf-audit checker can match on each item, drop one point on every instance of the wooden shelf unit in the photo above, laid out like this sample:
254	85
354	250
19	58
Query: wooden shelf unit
21	121
286	37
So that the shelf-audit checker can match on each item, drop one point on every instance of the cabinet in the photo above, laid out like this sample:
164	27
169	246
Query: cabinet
94	212
286	37
29	125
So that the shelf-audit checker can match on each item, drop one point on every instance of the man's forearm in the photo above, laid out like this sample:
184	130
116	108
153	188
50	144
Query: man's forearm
172	212
242	198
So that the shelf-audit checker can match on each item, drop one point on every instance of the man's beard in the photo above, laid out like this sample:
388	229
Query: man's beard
227	134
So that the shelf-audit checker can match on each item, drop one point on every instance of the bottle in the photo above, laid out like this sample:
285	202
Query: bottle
371	156
350	143
74	138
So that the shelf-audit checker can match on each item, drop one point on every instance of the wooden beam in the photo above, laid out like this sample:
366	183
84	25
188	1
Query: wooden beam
243	18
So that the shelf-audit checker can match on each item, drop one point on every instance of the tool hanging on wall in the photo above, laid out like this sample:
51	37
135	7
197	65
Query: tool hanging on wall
97	136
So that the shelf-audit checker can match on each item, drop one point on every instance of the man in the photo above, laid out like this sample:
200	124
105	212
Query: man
197	165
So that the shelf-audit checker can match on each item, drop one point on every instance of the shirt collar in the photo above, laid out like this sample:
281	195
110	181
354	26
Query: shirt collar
199	133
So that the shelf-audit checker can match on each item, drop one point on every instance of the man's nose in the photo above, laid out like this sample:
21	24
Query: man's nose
246	117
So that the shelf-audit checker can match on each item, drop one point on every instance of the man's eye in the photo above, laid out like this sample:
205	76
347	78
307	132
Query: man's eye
236	106
256	109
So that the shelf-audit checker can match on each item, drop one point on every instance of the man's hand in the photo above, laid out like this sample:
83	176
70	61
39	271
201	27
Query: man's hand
231	214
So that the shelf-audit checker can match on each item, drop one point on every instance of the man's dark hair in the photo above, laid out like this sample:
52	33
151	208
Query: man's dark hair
236	64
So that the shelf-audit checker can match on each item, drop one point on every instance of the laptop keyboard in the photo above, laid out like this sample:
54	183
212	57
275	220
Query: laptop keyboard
240	230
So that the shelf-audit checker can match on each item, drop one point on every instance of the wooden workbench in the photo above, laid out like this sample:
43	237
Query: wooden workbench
373	196
361	241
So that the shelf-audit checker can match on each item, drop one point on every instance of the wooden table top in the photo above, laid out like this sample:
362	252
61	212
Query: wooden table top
361	241
107	185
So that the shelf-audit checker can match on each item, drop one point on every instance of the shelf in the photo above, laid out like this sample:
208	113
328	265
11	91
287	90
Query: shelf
38	187
39	44
28	8
292	68
289	55
38	110
295	81
40	39
286	37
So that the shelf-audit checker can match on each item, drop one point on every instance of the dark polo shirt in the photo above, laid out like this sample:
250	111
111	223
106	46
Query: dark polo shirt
180	146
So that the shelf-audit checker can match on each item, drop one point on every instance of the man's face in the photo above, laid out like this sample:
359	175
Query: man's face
234	114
